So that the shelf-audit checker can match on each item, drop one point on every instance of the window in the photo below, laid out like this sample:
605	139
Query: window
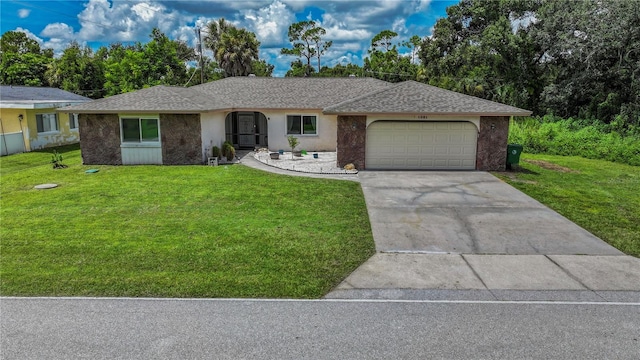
73	121
46	122
301	125
140	130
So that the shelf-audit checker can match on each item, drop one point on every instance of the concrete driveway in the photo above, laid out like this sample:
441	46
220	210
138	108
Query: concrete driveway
468	235
467	213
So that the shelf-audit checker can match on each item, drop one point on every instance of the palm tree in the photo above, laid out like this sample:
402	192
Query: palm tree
234	49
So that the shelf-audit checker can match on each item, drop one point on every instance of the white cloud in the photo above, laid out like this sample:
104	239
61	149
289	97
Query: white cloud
270	23
422	5
398	26
58	30
30	35
23	13
126	21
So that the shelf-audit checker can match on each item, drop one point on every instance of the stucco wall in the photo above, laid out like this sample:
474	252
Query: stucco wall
15	137
492	143
351	142
181	139
213	132
100	134
63	136
325	140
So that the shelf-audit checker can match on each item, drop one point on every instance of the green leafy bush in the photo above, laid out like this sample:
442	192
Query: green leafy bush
577	137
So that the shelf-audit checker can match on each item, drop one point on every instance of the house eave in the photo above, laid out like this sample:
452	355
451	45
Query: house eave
524	113
130	111
37	105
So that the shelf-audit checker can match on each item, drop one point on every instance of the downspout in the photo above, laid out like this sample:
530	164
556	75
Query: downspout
4	139
24	143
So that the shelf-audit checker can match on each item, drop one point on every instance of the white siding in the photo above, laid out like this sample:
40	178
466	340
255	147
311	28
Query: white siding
11	143
139	155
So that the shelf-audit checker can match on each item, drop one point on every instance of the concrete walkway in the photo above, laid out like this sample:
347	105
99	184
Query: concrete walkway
246	158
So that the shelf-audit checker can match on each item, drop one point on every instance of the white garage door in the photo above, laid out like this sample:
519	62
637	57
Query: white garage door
421	145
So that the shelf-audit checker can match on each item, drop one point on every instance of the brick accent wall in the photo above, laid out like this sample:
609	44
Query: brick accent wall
492	143
352	138
100	139
181	139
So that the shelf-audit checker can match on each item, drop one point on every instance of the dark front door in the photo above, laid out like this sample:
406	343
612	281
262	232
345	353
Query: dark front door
246	130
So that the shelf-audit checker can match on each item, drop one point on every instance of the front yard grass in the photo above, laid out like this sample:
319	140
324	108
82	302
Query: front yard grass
175	231
601	196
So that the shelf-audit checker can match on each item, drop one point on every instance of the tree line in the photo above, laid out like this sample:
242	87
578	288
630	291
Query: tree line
564	58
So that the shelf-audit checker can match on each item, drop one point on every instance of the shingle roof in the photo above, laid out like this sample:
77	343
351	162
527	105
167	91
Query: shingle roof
154	99
289	93
411	97
333	95
10	93
238	93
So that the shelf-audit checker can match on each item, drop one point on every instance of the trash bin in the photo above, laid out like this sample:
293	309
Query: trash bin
513	154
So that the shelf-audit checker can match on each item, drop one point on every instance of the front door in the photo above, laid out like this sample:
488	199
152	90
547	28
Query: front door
246	130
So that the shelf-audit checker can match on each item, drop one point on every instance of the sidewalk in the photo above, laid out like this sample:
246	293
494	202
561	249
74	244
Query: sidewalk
493	277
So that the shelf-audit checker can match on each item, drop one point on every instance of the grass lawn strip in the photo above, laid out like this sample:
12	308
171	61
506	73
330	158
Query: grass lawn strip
175	231
600	196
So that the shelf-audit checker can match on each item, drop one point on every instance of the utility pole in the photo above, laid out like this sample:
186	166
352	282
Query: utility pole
200	51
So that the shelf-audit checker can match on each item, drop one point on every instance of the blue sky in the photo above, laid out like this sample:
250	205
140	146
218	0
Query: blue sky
350	24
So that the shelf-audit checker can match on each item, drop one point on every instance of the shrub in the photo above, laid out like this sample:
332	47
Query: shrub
575	137
228	151
215	152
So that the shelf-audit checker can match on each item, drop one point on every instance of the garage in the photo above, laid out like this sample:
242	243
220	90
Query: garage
421	145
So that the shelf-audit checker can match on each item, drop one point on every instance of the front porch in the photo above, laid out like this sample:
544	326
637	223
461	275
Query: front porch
247	129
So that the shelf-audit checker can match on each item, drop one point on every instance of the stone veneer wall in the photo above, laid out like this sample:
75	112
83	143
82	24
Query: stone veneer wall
492	143
100	139
181	139
351	140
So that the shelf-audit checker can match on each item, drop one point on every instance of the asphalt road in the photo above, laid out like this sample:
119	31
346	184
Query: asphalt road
77	328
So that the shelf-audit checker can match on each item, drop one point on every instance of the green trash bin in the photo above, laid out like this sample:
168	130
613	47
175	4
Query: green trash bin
513	154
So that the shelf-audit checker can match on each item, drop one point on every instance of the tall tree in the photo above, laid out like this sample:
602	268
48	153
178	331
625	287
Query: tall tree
592	51
262	68
78	70
23	62
307	39
478	50
384	62
134	67
234	49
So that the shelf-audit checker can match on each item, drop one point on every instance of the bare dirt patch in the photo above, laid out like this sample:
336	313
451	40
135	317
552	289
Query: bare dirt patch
550	166
513	176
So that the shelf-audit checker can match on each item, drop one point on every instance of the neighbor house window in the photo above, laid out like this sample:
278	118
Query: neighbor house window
301	125
140	130
73	121
46	122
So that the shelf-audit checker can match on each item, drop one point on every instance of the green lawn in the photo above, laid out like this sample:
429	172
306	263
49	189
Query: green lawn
601	196
175	231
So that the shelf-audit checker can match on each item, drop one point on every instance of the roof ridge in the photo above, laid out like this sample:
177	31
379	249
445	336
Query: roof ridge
392	86
459	93
168	88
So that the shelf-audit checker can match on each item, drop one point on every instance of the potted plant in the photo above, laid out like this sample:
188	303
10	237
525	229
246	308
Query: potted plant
293	142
